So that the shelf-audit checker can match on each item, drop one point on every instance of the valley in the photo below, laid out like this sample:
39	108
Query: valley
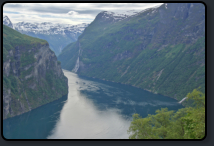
93	109
94	71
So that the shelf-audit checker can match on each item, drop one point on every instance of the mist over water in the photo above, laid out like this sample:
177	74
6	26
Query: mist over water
93	109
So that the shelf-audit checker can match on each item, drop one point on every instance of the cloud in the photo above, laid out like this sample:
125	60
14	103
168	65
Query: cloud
71	13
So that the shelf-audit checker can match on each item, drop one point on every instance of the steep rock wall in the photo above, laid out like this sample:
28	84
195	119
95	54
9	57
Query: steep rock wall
32	76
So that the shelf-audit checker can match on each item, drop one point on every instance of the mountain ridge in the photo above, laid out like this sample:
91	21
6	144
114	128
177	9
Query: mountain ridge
161	50
57	35
6	21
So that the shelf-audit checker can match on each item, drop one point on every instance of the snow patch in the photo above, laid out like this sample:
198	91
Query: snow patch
6	21
50	28
118	16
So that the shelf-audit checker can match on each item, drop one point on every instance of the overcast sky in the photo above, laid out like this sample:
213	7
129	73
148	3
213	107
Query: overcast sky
67	13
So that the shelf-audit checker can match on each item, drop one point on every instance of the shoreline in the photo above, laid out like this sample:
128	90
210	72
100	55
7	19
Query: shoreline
128	85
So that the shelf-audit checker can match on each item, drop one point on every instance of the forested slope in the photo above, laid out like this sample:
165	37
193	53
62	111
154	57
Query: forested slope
161	49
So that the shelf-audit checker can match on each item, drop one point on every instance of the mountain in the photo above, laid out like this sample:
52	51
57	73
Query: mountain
6	21
115	17
160	49
57	35
32	76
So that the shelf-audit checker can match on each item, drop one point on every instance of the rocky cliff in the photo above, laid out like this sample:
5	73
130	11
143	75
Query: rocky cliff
159	49
32	76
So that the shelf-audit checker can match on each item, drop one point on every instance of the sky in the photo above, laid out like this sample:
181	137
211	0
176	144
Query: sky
66	13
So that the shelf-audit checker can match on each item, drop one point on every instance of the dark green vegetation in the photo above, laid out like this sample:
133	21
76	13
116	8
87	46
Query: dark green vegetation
69	57
161	50
31	74
13	38
186	123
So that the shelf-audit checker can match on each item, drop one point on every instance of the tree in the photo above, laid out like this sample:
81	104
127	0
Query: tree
194	121
186	123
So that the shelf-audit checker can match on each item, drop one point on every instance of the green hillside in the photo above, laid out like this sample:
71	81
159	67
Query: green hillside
12	38
161	50
31	75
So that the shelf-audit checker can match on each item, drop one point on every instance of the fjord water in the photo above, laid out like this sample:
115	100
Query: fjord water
92	109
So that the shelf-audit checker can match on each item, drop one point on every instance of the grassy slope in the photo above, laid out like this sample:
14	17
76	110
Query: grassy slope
138	50
13	38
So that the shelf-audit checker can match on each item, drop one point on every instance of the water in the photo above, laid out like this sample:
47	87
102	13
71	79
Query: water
93	109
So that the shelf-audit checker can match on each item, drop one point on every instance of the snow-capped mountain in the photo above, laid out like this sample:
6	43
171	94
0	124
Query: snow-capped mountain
6	21
60	35
57	35
48	28
119	16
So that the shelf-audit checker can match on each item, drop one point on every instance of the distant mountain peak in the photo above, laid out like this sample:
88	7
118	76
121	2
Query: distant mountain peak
6	21
49	28
117	16
58	35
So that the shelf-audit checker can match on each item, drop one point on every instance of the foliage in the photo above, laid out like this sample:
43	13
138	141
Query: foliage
11	82
58	62
27	59
186	123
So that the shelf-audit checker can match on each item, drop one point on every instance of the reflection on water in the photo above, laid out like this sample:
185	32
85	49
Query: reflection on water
93	109
100	109
80	118
35	124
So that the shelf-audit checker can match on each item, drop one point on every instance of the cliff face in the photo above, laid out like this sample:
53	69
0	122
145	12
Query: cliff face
160	49
32	76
